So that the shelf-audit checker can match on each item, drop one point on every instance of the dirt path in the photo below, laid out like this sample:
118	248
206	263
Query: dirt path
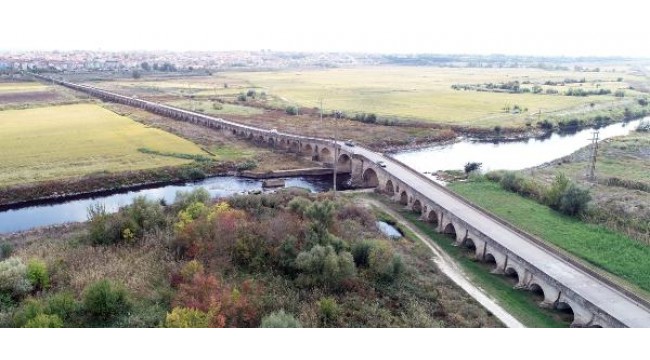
449	267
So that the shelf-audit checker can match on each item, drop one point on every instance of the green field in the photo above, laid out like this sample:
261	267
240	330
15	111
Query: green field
425	94
606	249
65	141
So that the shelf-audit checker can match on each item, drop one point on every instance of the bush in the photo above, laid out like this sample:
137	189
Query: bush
182	317
322	265
131	222
13	277
328	310
28	310
574	200
184	199
37	274
104	300
246	165
45	321
251	93
291	110
299	204
554	194
63	305
383	263
510	181
472	166
644	126
241	97
280	319
6	250
361	252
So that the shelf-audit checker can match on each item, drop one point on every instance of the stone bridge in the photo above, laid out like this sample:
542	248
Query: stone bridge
559	282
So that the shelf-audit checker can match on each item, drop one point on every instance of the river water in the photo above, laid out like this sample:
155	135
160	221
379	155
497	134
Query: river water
494	156
76	210
507	155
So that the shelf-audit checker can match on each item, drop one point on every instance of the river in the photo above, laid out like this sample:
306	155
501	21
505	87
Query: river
54	213
503	155
510	155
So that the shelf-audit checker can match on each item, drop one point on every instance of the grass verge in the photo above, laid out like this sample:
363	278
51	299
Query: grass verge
606	249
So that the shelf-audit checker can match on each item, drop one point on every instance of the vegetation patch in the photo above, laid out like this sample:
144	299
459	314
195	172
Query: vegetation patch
611	251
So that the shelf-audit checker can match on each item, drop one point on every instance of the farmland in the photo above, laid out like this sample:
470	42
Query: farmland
410	97
65	141
25	95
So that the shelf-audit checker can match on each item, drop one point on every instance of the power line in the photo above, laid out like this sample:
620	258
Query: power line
591	172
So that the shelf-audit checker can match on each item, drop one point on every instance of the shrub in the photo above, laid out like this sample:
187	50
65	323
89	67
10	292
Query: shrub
45	321
557	189
251	93
383	263
64	305
328	310
37	274
104	300
361	252
291	110
574	200
183	199
299	204
6	250
13	277
280	319
28	310
182	317
241	97
619	93
322	265
217	106
510	181
246	165
472	166
644	126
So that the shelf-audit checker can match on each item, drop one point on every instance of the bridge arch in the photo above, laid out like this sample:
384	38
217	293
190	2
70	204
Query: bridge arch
326	155
566	312
308	149
344	163
390	190
432	217
491	262
260	139
271	142
294	147
404	198
512	274
370	178
450	230
417	206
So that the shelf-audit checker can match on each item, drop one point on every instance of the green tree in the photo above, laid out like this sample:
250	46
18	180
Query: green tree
45	321
104	300
574	200
322	265
37	274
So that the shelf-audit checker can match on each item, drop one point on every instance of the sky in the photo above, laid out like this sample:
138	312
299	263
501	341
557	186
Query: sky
548	28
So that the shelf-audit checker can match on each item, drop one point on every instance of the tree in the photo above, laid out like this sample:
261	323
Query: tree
13	277
291	110
322	265
45	321
145	66
104	300
182	317
280	319
136	74
574	200
37	274
472	166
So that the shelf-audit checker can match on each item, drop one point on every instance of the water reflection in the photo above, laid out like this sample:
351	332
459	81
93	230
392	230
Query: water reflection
507	155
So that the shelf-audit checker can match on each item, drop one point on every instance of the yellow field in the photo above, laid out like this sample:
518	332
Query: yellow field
22	87
424	93
65	141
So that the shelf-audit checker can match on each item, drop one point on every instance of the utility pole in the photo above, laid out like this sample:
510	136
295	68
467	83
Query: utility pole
337	114
591	172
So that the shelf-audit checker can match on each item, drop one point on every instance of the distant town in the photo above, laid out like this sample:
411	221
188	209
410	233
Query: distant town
167	61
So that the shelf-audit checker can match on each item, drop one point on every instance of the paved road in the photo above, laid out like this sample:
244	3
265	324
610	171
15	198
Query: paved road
591	289
449	267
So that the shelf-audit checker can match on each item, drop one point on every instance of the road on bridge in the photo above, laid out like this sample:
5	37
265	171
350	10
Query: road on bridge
588	287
